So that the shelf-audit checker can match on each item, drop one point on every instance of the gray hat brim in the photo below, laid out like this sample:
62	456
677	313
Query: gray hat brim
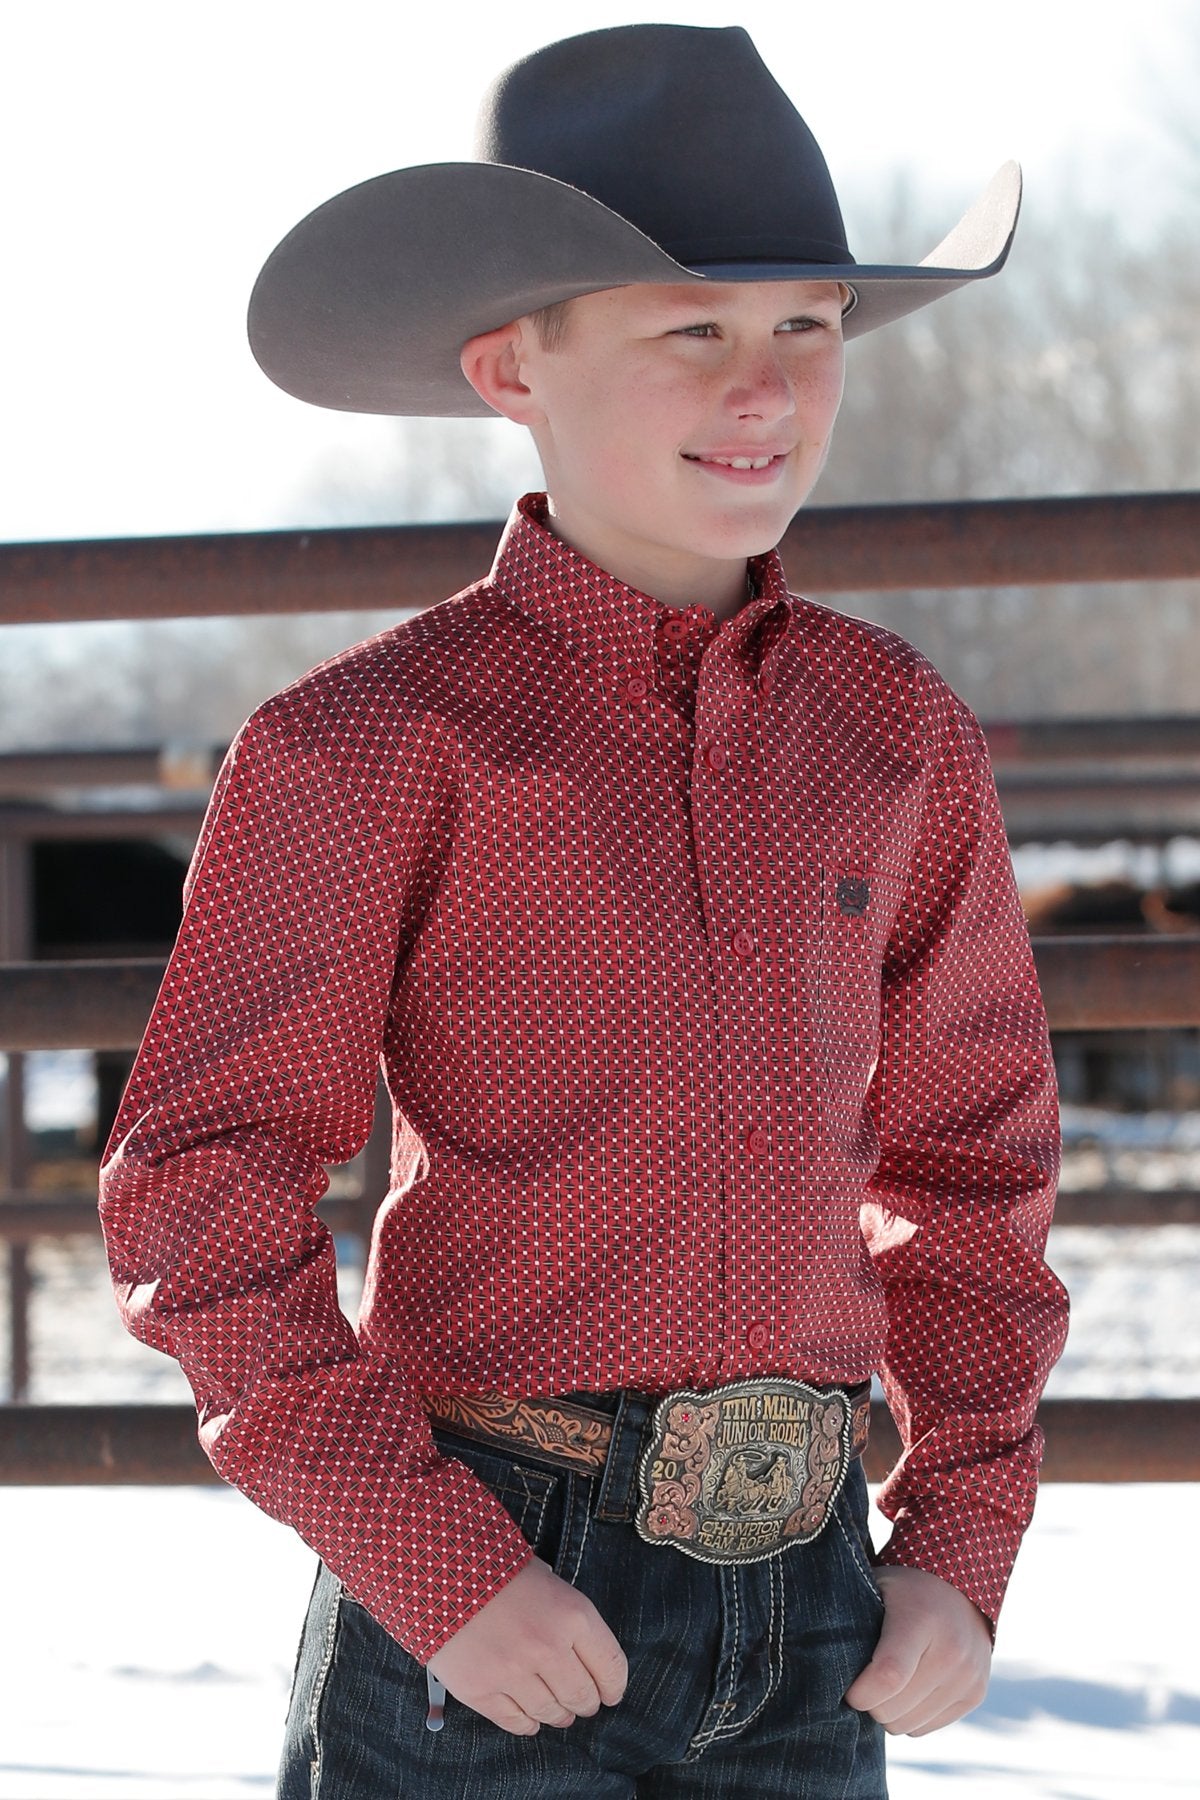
365	305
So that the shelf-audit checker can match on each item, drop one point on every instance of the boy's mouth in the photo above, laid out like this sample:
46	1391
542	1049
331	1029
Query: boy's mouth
745	470
736	458
737	462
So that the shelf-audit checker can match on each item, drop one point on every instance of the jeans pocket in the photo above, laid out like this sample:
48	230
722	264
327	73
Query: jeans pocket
850	1521
537	1498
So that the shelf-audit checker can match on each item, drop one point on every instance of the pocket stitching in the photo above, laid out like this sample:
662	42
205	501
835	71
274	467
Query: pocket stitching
534	1492
332	1627
529	1489
858	1557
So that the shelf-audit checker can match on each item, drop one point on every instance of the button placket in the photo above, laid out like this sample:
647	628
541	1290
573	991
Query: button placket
726	698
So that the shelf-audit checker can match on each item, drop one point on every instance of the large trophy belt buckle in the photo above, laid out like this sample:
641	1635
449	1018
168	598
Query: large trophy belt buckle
743	1472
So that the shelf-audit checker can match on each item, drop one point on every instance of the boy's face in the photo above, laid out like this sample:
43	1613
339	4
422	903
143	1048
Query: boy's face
649	386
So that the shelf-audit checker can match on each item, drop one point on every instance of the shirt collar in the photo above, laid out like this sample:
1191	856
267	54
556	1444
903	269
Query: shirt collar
614	625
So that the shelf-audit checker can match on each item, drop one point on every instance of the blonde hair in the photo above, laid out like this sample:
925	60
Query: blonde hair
550	323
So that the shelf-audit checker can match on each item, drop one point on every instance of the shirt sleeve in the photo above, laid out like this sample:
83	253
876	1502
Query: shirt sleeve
258	1068
965	1105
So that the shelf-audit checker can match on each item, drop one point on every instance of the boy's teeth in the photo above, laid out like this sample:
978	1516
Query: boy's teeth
740	462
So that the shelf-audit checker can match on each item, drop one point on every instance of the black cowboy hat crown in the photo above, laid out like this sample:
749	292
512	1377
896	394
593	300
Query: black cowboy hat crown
640	153
684	132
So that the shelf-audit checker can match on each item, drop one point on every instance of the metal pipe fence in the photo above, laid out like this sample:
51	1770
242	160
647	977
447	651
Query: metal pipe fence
1089	983
826	550
1086	1440
1087	780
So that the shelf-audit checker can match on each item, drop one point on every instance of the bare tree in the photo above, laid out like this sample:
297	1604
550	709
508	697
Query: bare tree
1074	371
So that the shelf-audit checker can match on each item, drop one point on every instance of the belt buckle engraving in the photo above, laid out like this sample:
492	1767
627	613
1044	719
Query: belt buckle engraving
744	1471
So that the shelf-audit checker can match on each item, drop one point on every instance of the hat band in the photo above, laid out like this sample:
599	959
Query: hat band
750	250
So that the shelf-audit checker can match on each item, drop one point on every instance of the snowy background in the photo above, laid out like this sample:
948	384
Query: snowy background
152	1635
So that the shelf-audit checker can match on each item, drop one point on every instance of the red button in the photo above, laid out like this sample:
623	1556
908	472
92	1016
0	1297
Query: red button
758	1337
757	1141
743	943
636	686
715	756
765	684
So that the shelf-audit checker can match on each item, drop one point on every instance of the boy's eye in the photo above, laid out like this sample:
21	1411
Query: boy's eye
802	323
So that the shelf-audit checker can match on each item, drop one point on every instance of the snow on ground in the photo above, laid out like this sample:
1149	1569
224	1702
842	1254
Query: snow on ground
152	1635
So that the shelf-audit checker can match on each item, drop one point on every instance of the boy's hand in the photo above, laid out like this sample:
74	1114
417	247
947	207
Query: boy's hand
932	1660
537	1654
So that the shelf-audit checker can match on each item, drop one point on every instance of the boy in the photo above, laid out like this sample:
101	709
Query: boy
680	911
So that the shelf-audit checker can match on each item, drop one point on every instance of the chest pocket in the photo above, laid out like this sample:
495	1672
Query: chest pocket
859	903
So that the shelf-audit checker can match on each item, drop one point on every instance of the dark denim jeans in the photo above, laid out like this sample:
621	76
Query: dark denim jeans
736	1674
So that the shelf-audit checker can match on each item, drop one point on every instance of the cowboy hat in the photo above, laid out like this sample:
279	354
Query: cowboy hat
657	153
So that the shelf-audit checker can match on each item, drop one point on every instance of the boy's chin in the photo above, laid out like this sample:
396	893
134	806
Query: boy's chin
745	523
726	538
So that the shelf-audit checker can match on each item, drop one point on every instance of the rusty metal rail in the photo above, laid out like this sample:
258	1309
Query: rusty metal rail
76	1005
1174	736
27	1216
1126	1207
43	824
826	550
156	1446
187	766
1118	983
1152	810
1156	747
1089	983
1153	816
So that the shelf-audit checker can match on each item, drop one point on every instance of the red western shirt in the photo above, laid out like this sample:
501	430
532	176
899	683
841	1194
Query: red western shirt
706	1004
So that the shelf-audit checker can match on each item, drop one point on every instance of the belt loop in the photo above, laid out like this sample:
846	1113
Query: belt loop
618	1483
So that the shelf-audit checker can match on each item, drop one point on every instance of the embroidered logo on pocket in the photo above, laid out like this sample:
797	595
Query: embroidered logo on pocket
853	892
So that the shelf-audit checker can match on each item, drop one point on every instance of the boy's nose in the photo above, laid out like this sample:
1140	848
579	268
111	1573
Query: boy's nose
762	389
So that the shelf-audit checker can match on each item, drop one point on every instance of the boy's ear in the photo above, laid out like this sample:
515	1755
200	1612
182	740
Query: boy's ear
493	363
